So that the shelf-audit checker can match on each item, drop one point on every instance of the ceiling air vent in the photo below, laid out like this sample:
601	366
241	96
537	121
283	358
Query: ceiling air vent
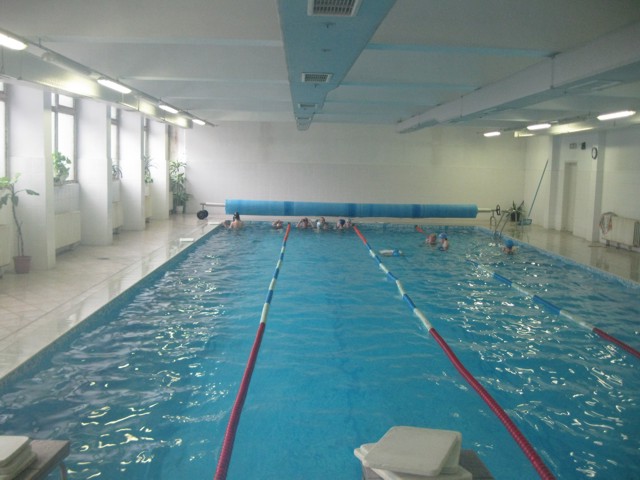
333	8
316	77
594	85
307	106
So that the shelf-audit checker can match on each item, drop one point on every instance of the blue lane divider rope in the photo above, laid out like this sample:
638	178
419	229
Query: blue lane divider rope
557	310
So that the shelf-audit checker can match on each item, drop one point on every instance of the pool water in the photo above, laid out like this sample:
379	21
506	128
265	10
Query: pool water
144	388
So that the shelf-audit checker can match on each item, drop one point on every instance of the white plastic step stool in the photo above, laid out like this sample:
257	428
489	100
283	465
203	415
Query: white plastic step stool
15	455
411	453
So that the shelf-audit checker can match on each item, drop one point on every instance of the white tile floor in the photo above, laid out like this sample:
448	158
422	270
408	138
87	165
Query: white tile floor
38	307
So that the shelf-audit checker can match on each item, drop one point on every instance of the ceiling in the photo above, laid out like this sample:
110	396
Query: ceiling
408	64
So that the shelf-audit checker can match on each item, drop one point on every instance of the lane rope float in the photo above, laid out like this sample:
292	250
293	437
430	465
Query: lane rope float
230	434
557	310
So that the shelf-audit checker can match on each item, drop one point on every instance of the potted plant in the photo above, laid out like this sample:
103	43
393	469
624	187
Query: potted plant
178	185
61	166
147	170
22	262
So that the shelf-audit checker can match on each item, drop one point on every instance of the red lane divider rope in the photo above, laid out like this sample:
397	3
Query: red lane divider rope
236	411
550	307
557	310
620	343
511	427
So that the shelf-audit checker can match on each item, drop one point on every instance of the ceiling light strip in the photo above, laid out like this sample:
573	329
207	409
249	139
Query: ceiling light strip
614	115
539	126
167	108
11	42
118	87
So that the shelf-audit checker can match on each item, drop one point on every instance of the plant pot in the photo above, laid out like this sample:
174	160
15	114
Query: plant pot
22	264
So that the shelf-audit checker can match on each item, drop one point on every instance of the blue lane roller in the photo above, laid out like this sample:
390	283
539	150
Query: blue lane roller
353	210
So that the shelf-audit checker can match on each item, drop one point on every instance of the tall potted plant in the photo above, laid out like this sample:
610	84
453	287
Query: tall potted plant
178	185
9	194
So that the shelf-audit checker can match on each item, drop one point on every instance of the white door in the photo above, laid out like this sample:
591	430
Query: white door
569	196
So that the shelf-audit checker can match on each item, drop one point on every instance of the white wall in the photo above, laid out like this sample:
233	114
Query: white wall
610	182
621	188
352	163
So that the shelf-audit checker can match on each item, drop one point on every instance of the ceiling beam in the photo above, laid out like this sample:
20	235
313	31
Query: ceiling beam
601	63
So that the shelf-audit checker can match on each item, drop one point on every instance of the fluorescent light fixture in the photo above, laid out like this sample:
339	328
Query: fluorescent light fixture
614	115
522	133
492	134
105	82
197	121
539	126
167	108
10	42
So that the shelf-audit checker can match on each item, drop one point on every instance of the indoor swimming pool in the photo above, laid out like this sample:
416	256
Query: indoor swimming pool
144	388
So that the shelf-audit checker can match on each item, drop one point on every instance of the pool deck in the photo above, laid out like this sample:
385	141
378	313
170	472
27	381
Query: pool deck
39	307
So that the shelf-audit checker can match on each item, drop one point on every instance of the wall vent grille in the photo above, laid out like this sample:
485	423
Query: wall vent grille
333	8
316	77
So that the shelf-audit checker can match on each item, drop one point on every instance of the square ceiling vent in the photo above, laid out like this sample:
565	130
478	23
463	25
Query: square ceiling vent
333	8
316	77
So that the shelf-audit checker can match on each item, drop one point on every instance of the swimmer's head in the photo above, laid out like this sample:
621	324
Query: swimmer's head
442	236
508	243
341	221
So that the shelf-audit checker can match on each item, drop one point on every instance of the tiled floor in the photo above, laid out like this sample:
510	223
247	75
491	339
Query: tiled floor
37	308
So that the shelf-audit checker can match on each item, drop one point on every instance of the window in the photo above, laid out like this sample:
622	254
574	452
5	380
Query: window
114	142
3	133
63	129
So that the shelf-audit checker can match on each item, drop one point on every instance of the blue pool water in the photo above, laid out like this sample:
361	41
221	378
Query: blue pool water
144	388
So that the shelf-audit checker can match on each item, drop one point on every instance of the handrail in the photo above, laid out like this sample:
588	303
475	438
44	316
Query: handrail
520	439
559	311
234	419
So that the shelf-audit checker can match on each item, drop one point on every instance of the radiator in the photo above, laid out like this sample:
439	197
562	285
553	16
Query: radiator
624	231
67	229
116	216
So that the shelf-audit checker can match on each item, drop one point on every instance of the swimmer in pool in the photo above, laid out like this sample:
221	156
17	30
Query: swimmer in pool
340	224
277	224
444	242
431	239
509	248
236	222
322	224
304	223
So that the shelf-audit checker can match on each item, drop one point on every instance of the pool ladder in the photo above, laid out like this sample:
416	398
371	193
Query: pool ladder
501	221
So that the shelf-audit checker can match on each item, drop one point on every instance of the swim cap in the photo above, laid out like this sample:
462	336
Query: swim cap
508	243
442	236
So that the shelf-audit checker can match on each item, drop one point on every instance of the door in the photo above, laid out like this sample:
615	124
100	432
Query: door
569	196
